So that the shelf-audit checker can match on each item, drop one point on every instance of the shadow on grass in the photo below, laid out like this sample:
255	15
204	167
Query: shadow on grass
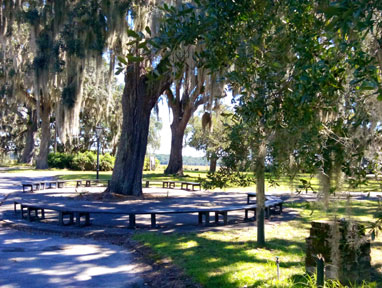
215	263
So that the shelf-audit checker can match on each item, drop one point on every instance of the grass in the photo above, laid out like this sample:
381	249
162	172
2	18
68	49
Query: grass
283	183
195	173
232	258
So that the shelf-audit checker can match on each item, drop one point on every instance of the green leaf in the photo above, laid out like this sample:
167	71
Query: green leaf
132	33
142	45
132	58
122	60
368	85
119	70
148	30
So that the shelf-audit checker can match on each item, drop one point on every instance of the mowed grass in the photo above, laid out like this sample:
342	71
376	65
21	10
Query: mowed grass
197	173
232	258
281	184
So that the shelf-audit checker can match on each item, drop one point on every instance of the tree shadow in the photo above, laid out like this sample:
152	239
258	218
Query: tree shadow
30	260
213	262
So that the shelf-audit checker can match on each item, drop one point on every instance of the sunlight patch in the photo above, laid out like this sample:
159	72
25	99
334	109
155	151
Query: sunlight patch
90	272
24	240
187	245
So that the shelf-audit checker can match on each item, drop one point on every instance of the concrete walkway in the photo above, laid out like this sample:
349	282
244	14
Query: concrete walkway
31	260
10	182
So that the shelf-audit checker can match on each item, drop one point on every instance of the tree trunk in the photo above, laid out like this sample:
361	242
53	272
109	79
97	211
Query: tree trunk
213	162
42	159
260	194
182	113
28	152
175	164
138	99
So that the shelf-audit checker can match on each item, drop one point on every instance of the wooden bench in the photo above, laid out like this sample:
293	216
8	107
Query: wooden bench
61	183
168	184
271	202
79	212
31	185
34	186
165	184
192	184
48	184
73	213
90	182
184	185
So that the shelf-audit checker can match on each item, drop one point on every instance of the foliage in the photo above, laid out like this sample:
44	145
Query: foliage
106	162
226	177
300	85
212	140
60	160
84	161
81	161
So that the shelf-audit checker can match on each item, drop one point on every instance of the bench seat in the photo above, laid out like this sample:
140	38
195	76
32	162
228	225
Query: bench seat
76	213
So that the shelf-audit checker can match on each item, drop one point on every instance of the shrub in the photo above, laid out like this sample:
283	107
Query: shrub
81	161
78	162
84	161
106	162
60	160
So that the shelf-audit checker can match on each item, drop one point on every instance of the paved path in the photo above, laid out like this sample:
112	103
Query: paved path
35	260
28	260
10	182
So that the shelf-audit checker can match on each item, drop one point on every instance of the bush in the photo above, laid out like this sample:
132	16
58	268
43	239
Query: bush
106	162
60	160
84	161
81	161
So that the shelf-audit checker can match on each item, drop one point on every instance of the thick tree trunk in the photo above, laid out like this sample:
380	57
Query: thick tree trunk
28	152
260	194
181	117
213	162
175	164
138	99
42	159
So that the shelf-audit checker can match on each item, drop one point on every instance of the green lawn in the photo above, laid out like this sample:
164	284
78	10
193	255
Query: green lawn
232	259
281	184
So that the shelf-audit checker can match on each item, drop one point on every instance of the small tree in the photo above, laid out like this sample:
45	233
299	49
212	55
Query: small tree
211	135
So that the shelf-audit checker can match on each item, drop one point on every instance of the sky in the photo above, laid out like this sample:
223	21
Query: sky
166	117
